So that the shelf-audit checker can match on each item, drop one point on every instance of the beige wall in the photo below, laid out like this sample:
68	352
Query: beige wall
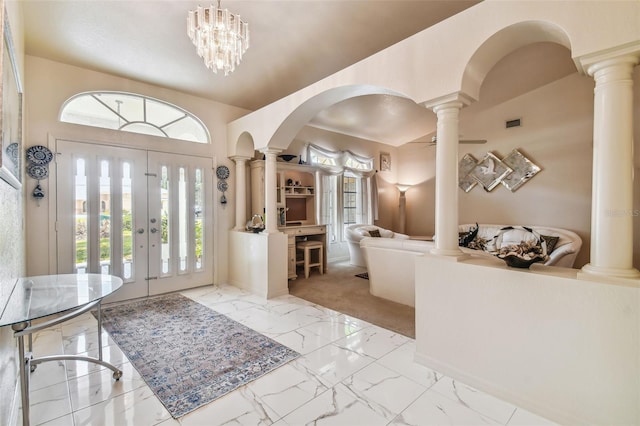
49	85
556	134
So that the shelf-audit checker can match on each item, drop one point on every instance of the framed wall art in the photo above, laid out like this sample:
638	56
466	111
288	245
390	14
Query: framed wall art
10	111
385	161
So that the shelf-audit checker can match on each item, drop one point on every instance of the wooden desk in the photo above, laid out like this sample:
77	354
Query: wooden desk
297	233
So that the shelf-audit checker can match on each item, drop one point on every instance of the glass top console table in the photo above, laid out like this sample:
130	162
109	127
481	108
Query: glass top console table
62	297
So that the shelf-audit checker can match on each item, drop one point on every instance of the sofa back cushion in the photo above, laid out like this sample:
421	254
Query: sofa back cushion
365	231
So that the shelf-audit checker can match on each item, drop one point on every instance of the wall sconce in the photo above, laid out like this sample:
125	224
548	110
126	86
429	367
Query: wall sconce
403	206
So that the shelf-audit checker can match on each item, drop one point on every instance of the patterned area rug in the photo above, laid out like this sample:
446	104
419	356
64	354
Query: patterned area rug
188	354
364	275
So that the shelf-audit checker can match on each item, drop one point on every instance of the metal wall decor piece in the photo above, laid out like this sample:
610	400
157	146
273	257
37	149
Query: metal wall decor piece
222	172
512	171
523	170
37	171
466	182
39	154
490	171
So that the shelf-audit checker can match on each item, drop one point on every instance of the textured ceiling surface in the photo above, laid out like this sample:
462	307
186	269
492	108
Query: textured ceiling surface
294	43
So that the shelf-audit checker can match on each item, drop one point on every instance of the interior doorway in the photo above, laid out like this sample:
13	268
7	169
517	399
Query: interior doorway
144	216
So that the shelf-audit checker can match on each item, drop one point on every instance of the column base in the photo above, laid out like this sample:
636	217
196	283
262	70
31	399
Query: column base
452	254
590	270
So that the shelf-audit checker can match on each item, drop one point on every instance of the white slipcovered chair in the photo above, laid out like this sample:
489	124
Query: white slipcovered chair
355	233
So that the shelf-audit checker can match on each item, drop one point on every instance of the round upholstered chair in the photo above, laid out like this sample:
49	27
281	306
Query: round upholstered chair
355	233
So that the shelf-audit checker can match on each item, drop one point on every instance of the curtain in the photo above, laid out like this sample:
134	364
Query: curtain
337	163
374	197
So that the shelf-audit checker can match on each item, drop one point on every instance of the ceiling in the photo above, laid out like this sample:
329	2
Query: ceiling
294	43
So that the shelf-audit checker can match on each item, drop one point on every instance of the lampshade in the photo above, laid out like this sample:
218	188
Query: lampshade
220	37
402	187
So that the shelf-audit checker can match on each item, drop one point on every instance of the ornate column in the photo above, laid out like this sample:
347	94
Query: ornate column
270	190
612	183
241	192
446	229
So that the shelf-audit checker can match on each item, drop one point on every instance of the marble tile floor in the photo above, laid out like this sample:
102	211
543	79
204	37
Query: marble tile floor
349	373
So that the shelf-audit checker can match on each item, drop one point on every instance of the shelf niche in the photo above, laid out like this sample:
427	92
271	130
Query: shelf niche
295	192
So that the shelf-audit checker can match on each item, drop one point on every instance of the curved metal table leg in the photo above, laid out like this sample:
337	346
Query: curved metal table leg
29	362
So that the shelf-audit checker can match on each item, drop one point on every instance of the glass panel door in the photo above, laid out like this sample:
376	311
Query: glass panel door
135	214
180	189
102	213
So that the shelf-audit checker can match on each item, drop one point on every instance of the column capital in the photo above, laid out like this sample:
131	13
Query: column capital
452	100
269	150
628	53
237	158
621	67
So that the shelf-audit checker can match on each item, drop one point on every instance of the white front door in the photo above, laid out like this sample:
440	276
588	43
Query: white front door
136	214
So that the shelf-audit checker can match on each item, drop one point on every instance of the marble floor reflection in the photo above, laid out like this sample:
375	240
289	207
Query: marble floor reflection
350	373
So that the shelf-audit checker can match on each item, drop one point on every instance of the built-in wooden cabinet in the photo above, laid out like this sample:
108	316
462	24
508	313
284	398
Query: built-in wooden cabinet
296	202
296	193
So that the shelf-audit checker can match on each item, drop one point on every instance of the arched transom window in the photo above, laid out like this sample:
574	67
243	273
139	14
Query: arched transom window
133	113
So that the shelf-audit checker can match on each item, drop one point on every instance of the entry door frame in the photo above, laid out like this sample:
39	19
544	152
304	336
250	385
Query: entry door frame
152	144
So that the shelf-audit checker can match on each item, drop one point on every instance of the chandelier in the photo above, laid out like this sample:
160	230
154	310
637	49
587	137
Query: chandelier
220	37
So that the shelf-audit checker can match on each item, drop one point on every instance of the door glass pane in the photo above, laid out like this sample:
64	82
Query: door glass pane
105	218
127	222
164	212
183	224
80	219
198	217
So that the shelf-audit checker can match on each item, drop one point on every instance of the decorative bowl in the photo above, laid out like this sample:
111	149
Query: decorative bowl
257	229
519	262
287	157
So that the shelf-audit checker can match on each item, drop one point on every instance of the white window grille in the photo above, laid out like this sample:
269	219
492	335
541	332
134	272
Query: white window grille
134	113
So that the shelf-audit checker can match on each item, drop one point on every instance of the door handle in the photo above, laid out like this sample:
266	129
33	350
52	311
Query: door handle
140	231
153	230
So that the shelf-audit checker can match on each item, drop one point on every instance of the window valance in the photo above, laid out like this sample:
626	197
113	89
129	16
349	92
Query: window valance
337	162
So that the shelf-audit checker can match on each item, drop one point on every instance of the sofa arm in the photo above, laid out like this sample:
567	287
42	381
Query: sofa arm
563	256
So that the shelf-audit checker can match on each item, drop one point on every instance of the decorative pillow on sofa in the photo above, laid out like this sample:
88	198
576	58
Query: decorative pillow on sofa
464	238
551	242
375	233
479	243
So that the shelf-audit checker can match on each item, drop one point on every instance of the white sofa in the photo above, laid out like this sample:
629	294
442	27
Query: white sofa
564	253
355	233
391	262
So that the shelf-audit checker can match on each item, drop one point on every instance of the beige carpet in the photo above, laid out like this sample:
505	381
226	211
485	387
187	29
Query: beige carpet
342	291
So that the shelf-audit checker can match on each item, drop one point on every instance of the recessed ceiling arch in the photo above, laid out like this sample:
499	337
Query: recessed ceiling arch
504	42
